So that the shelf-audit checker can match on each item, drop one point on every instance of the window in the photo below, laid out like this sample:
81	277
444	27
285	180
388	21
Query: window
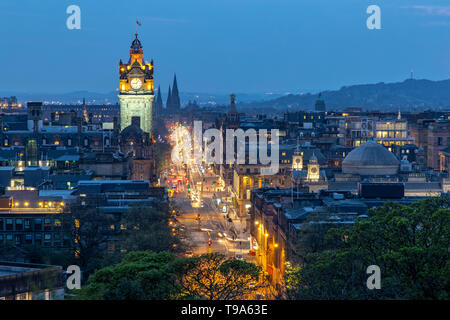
38	239
439	141
19	224
47	225
1	224
57	223
37	224
9	224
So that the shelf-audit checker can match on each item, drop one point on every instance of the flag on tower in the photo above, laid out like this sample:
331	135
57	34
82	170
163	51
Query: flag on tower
138	23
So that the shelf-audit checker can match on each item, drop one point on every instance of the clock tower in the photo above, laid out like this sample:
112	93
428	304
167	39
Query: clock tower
136	88
313	169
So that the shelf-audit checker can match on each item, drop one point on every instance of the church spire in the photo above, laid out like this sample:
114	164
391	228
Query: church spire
175	94
159	102
169	100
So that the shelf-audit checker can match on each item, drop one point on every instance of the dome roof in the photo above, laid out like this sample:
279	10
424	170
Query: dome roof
370	158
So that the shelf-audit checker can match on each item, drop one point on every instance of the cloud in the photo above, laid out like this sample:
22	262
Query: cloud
431	10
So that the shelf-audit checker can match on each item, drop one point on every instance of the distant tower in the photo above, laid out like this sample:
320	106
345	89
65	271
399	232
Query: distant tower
320	103
34	110
297	159
158	104
175	95
313	169
232	118
136	88
169	101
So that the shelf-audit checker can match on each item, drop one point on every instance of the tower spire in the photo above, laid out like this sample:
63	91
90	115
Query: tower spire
175	94
158	104
169	100
158	97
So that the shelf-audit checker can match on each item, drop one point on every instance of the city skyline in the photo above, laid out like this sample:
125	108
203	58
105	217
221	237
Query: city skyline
233	47
214	151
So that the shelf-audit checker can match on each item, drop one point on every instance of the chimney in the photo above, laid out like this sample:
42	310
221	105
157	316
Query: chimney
136	121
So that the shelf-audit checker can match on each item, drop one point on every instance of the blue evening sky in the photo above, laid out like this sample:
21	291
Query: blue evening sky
221	46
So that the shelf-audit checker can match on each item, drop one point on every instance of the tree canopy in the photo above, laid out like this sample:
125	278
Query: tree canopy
144	275
410	244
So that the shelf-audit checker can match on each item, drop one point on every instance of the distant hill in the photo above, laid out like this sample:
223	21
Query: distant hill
76	97
407	95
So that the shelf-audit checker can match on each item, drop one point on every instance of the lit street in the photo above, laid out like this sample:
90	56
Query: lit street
207	228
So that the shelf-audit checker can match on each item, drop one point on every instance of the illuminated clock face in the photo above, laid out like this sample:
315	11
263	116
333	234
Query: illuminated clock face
136	83
313	170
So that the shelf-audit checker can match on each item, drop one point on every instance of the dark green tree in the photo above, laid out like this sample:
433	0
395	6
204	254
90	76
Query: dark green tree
142	275
409	243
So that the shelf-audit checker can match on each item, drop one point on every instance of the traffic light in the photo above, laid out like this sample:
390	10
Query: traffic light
209	242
